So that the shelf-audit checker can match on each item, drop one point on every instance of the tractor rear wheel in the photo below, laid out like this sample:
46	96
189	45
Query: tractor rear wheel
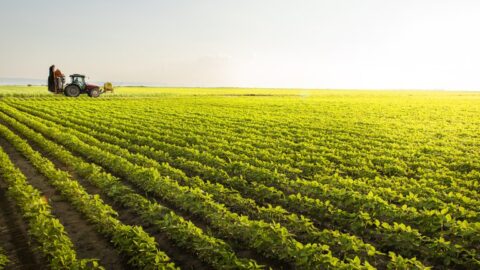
72	91
95	92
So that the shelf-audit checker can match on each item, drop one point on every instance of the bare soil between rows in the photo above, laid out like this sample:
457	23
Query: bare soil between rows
88	243
181	257
14	238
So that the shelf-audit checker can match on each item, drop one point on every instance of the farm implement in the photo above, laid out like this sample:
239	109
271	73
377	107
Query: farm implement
77	85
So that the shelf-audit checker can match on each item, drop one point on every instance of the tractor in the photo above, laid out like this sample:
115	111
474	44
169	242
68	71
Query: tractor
76	86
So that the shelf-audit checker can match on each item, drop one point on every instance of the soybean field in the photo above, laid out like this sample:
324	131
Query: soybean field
166	178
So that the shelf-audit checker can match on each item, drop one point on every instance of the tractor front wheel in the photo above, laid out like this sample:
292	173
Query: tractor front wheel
94	92
72	91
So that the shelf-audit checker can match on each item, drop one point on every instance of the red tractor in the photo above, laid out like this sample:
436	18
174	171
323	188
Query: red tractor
76	86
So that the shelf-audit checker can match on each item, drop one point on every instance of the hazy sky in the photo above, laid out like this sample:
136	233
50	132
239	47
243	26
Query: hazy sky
428	44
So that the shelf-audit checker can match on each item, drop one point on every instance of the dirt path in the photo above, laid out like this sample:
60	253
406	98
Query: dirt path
88	243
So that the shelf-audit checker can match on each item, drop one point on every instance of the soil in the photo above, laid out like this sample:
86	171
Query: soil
239	248
88	243
180	257
14	238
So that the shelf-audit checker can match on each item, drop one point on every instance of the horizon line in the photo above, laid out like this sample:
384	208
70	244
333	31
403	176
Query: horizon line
278	88
148	84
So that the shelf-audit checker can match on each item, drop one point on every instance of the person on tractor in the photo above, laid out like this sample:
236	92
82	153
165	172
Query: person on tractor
59	79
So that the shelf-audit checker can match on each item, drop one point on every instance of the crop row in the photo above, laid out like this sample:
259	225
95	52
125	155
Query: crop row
3	259
184	233
343	142
43	227
308	159
428	221
300	203
423	200
132	241
468	229
270	239
146	150
298	225
400	199
428	191
186	157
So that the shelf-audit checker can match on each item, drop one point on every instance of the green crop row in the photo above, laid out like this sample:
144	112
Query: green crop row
391	230
271	239
183	233
235	143
3	259
426	203
400	181
433	189
298	225
43	227
330	236
132	241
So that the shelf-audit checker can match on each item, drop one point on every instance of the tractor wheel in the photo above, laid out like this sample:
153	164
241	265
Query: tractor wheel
95	92
72	91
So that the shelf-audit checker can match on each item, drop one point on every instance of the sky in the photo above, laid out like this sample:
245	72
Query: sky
364	44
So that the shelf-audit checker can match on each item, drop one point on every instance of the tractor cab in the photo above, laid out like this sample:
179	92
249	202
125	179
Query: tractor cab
78	80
